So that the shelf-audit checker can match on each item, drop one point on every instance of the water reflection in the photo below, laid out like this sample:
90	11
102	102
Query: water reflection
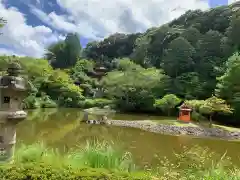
61	128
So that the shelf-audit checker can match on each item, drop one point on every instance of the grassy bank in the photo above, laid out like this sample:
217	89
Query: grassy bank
175	122
102	161
92	161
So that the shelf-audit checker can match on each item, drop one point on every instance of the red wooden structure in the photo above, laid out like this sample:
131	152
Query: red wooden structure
184	113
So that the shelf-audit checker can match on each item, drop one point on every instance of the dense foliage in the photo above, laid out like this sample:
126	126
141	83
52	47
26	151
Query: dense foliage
64	54
194	57
105	162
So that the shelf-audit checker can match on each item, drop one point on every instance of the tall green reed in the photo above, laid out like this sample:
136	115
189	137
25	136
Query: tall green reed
94	154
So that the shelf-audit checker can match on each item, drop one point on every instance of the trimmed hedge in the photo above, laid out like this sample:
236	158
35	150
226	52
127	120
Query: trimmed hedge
42	172
98	102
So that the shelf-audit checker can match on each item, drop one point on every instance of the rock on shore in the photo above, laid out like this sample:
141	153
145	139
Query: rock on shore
178	130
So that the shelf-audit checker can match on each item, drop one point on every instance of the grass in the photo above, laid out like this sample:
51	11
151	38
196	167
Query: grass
94	160
102	161
197	163
174	122
94	155
182	124
231	129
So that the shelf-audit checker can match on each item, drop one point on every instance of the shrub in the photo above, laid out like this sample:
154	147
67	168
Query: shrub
99	102
32	171
31	102
167	103
48	103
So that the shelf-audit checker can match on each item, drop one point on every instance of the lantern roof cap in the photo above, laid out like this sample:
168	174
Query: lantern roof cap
14	69
14	65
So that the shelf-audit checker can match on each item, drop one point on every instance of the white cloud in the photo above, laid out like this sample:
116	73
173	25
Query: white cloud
4	51
63	23
21	38
232	1
92	19
108	16
96	18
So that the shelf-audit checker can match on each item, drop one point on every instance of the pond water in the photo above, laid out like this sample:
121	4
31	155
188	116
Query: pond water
60	128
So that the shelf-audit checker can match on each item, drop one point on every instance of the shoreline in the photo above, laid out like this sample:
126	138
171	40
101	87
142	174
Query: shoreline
179	130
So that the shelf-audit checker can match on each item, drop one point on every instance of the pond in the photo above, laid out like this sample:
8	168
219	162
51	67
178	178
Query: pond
60	128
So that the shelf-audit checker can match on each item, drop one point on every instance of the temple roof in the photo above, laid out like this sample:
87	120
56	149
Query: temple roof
185	107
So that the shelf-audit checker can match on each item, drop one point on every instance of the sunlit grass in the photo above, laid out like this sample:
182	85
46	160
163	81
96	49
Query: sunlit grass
193	163
174	123
94	155
198	163
232	129
192	124
38	153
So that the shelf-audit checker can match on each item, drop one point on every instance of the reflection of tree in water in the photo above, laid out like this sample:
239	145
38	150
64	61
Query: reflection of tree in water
184	140
92	133
33	115
46	114
47	125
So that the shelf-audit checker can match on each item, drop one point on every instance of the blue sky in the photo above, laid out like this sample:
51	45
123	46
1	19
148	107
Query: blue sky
34	24
214	3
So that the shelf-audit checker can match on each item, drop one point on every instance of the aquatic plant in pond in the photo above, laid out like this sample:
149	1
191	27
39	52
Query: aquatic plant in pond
38	153
94	155
103	155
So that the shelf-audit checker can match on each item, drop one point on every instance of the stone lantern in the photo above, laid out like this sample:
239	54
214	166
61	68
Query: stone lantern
12	92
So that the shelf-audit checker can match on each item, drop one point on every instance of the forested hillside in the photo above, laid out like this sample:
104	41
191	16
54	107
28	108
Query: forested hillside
194	57
192	49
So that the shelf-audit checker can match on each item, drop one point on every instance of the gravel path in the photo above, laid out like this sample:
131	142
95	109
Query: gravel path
178	130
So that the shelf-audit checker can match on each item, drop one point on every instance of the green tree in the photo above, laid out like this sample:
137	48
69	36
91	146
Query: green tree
60	87
214	105
83	65
228	86
141	50
64	54
234	29
73	48
194	104
209	59
178	58
209	50
79	74
167	103
56	55
192	35
117	45
150	46
134	90
48	86
188	86
125	64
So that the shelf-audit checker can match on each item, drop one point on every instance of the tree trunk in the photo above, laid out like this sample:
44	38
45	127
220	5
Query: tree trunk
169	112
210	121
